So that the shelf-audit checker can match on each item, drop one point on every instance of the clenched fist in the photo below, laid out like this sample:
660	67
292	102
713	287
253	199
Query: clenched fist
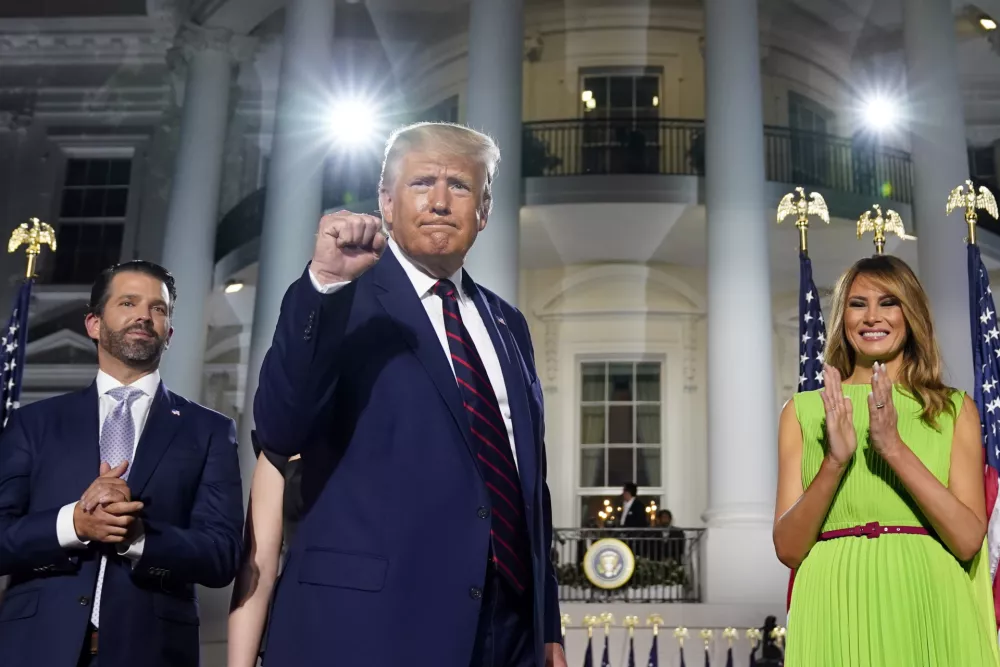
347	245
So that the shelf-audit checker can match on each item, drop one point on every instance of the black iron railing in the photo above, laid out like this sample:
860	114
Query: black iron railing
667	564
677	147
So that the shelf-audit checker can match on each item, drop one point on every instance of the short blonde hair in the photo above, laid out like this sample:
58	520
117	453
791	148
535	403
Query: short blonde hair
450	138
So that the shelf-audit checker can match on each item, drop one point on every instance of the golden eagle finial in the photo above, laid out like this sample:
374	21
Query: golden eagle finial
802	207
32	234
874	221
965	196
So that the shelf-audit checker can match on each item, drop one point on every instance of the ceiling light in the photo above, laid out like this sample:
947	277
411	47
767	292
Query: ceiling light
988	23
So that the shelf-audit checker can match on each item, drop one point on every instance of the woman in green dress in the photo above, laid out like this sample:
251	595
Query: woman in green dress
881	502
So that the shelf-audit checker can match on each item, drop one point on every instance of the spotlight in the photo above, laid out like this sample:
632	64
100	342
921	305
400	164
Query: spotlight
234	286
880	113
352	122
988	23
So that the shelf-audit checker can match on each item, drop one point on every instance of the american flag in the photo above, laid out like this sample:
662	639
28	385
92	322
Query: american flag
12	353
654	653
812	339
986	357
812	329
605	657
588	660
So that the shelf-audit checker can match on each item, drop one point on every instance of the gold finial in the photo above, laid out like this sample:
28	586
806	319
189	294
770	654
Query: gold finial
607	618
656	621
802	208
630	622
778	635
729	634
681	634
34	237
589	622
564	620
970	201
706	636
892	222
754	635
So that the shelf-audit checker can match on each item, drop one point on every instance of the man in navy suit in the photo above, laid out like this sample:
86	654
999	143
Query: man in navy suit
412	395
116	500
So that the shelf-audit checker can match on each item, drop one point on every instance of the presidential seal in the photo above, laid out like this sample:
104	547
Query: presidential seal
609	563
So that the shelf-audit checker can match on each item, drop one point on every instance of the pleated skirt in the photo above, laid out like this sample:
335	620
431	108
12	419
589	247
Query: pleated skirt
894	601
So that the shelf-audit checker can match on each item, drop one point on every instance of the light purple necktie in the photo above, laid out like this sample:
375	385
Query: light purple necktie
118	434
117	445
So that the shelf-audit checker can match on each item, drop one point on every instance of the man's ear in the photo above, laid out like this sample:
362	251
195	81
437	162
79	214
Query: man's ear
170	334
92	323
385	204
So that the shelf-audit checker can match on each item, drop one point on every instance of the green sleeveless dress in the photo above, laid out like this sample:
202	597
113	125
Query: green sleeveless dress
897	600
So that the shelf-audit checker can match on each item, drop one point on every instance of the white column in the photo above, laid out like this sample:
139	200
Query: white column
496	47
740	561
940	162
294	183
192	214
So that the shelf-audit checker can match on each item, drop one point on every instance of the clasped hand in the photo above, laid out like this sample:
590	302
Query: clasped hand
106	512
841	436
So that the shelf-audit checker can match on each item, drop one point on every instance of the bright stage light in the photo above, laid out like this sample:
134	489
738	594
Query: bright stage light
880	113
352	122
987	23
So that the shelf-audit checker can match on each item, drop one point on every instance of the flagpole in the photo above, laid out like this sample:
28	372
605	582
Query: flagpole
965	196
802	207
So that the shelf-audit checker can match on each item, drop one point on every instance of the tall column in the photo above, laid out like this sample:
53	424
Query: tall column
192	214
740	561
294	183
496	47
940	162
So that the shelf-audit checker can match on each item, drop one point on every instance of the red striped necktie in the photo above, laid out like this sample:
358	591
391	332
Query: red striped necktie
489	433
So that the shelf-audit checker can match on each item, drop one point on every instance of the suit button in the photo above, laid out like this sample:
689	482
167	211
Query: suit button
475	593
482	513
84	601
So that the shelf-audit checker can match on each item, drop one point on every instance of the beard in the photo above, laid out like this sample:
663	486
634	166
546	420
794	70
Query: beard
137	352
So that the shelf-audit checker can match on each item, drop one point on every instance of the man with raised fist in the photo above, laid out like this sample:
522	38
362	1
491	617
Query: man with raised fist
411	393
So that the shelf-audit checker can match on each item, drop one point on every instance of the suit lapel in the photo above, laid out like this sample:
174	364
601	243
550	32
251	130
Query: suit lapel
81	434
400	301
517	390
161	427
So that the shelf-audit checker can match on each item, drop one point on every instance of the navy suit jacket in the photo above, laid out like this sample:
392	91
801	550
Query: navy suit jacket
185	471
389	560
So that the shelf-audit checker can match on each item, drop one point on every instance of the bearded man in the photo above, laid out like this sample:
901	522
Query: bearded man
116	500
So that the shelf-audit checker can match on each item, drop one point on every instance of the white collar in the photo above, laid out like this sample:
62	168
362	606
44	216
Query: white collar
422	282
147	383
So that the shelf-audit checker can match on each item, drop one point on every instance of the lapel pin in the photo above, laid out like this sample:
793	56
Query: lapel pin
500	320
176	413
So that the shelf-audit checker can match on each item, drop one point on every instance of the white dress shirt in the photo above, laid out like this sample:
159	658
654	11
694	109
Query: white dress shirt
65	529
423	283
625	508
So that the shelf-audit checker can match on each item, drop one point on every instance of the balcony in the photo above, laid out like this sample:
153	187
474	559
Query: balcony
670	147
667	568
652	148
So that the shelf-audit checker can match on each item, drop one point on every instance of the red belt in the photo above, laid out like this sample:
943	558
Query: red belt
872	530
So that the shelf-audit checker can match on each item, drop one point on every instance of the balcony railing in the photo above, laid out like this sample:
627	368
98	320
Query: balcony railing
677	148
667	564
658	146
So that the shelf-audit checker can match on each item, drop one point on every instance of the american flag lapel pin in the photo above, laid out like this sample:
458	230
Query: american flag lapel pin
500	320
175	413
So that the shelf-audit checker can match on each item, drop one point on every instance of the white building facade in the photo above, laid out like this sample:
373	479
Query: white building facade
645	144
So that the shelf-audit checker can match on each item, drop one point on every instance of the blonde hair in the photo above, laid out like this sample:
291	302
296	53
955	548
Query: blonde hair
449	138
920	372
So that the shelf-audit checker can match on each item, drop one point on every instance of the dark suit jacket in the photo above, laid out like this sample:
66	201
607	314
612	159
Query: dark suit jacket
186	472
636	517
391	551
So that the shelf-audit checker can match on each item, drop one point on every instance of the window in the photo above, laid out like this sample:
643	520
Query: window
620	428
91	218
808	121
621	130
982	167
603	511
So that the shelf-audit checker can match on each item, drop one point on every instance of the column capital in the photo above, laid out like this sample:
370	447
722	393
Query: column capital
193	39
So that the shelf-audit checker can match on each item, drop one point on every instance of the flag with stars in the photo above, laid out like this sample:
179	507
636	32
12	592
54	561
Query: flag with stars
986	357
12	353
812	340
812	329
654	653
606	657
588	660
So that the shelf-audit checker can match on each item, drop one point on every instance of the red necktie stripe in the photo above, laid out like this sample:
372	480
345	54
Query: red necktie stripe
509	535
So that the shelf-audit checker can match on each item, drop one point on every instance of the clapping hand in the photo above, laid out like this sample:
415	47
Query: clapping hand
882	415
842	440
